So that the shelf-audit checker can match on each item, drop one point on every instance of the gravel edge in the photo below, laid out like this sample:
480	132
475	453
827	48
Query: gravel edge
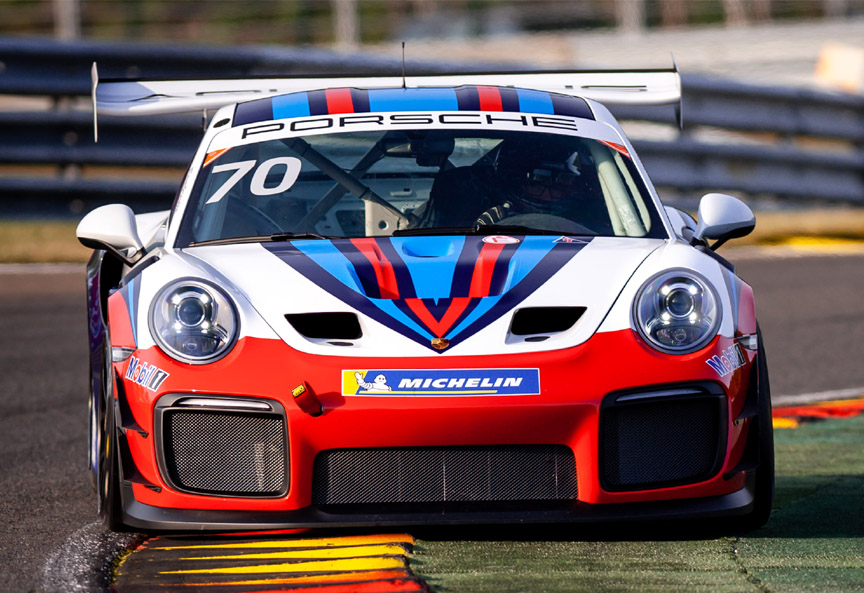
86	560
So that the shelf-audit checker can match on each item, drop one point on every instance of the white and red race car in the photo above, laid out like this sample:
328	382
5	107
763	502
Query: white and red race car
443	299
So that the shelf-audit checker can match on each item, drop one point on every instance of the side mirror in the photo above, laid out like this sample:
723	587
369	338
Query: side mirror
722	217
112	228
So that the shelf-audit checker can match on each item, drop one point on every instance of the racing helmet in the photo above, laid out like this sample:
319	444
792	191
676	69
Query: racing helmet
542	179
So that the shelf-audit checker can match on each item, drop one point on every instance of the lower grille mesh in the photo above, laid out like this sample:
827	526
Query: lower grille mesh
657	443
230	453
444	474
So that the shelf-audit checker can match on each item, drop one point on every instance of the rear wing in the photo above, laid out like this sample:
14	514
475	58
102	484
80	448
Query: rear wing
152	97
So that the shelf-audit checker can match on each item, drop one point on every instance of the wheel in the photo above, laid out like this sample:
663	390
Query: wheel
108	490
92	436
764	491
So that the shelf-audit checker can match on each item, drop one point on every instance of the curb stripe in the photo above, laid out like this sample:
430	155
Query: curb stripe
342	564
343	577
394	586
350	564
339	541
329	553
783	401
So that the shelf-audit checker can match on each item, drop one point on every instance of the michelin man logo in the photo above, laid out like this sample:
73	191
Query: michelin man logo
378	384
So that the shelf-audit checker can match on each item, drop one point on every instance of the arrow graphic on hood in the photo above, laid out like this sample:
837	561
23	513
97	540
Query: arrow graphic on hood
430	287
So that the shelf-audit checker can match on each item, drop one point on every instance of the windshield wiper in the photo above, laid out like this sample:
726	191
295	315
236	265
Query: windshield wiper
514	229
441	230
275	237
482	229
298	236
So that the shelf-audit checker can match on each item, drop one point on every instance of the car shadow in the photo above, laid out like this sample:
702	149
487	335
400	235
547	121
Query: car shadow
829	506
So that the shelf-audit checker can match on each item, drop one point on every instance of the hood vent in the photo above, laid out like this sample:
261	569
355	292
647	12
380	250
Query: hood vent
326	326
532	321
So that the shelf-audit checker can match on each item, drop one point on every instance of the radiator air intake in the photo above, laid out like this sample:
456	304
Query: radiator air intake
444	474
219	447
662	438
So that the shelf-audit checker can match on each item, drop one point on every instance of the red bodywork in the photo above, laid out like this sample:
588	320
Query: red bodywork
573	382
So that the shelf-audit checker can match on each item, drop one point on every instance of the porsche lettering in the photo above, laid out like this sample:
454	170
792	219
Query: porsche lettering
416	119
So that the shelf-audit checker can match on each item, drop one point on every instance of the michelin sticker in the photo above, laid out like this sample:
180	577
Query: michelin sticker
441	382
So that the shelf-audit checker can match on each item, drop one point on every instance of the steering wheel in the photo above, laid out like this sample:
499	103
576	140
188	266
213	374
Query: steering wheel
254	216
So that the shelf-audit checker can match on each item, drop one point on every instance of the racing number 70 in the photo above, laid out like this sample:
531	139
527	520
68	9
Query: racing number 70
242	168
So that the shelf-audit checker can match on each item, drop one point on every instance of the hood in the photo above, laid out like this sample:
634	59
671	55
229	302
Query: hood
431	295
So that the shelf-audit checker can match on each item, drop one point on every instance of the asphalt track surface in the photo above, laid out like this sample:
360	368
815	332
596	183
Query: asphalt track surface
810	310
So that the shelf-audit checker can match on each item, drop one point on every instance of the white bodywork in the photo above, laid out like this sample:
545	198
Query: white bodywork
604	277
646	87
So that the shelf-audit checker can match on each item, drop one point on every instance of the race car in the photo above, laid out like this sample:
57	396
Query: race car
382	301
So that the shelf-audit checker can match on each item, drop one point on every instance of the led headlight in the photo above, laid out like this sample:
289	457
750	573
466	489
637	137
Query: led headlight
193	321
677	312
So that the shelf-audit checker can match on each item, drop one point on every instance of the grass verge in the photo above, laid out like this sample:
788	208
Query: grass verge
40	242
813	542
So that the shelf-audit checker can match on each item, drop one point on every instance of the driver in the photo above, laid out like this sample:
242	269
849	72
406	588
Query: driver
543	183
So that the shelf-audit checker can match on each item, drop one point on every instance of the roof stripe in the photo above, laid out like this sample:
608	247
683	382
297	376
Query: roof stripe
510	99
317	102
443	99
360	98
339	101
293	105
262	110
490	98
468	97
463	98
535	102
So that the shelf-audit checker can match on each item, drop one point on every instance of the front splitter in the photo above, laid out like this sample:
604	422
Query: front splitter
150	518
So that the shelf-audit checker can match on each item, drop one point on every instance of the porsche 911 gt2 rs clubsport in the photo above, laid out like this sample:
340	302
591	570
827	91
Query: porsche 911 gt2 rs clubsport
446	299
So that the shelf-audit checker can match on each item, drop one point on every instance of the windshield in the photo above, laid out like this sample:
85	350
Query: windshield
392	182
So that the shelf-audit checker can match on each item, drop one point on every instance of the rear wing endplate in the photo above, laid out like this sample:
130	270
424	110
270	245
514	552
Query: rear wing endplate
152	97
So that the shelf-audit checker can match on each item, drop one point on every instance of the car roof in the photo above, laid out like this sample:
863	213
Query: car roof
376	100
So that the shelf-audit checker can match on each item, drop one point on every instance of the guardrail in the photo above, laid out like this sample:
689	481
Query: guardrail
791	144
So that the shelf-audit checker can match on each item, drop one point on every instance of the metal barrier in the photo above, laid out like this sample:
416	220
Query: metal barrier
791	144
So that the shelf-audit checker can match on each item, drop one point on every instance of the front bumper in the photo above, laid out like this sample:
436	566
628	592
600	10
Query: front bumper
575	384
146	517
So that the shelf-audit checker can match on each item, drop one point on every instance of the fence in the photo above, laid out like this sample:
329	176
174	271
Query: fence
791	144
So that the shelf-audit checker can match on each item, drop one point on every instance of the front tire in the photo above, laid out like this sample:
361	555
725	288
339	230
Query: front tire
108	501
763	496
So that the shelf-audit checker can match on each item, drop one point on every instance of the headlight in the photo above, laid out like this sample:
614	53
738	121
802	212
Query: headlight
193	321
677	312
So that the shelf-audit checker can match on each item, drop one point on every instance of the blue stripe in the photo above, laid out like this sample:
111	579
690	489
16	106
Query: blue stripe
390	308
413	100
325	254
732	284
530	253
482	308
294	105
534	102
432	276
131	294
